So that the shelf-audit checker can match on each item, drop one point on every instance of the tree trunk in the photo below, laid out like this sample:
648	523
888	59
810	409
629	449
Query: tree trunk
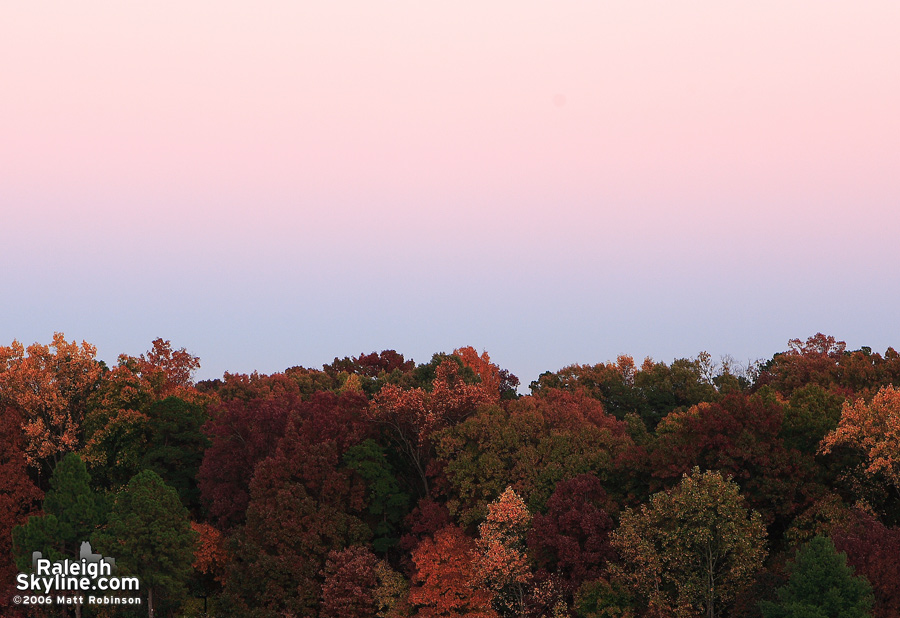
711	584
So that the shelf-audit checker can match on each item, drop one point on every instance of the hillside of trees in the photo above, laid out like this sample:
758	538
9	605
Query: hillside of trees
379	487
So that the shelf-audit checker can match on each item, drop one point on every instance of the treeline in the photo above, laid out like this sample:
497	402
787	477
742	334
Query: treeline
376	486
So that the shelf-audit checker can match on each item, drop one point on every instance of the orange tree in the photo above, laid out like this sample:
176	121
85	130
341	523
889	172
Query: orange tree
50	384
873	429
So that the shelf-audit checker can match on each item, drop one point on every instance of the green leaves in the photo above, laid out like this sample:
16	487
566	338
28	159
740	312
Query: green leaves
821	585
388	504
150	536
72	513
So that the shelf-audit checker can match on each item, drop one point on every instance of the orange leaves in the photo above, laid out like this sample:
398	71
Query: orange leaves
413	415
421	412
507	522
166	369
503	565
53	385
445	582
50	385
874	429
404	410
210	557
483	368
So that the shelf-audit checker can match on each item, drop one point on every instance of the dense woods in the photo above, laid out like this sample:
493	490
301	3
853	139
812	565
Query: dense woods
379	487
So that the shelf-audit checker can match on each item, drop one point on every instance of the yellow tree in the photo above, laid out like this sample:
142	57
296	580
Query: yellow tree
692	549
50	385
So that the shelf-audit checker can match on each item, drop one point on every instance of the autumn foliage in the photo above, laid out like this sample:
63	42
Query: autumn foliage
50	384
375	486
873	429
445	583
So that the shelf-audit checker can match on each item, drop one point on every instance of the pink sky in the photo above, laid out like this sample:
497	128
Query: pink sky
279	183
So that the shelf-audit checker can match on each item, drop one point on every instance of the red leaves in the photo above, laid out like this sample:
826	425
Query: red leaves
245	433
740	436
350	581
18	495
242	435
873	550
572	539
371	365
303	505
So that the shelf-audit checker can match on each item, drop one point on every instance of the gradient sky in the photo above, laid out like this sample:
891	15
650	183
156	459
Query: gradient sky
278	183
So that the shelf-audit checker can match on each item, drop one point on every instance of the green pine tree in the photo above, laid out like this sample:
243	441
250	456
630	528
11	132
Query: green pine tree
175	446
149	534
72	513
821	585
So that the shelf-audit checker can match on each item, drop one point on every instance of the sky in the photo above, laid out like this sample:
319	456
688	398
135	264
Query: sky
272	184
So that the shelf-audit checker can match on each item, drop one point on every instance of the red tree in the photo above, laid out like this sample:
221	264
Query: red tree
739	436
873	550
18	495
303	505
350	581
572	538
242	434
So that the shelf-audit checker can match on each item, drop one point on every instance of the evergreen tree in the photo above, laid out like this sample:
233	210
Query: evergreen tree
150	536
72	513
176	445
821	585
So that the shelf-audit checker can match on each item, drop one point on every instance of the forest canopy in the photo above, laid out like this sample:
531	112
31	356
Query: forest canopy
376	486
